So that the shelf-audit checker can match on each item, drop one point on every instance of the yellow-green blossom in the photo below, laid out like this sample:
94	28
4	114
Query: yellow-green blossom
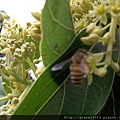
99	12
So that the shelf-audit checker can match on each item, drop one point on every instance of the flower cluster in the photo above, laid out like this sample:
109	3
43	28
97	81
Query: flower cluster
19	46
35	28
96	16
85	12
79	9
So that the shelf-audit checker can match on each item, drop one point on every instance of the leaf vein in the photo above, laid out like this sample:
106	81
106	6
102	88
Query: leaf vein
55	20
62	99
51	48
85	96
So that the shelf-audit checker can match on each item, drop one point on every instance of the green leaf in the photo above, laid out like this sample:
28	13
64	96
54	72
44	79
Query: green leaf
57	30
61	97
112	106
47	84
83	100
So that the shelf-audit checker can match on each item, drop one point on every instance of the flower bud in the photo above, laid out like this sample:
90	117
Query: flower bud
93	38
28	24
37	24
97	30
105	39
77	8
20	56
36	15
102	71
4	84
27	44
36	30
106	35
25	34
30	52
12	48
35	36
15	100
32	46
30	28
3	15
18	50
86	40
16	54
20	42
4	107
36	61
115	66
3	35
85	4
2	45
23	52
10	96
90	27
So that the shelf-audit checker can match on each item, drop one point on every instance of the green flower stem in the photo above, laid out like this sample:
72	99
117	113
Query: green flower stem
7	97
107	26
24	93
9	102
6	77
10	110
15	77
23	70
111	40
4	98
32	66
100	64
19	79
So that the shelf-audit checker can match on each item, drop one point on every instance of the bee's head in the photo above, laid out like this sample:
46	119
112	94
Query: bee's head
81	54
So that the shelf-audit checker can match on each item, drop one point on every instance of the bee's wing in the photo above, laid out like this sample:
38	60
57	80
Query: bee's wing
84	68
62	65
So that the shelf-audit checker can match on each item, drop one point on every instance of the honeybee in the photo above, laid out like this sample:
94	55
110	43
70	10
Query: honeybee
78	66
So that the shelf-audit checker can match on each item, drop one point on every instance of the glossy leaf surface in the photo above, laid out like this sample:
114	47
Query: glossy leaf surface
83	100
48	83
57	30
